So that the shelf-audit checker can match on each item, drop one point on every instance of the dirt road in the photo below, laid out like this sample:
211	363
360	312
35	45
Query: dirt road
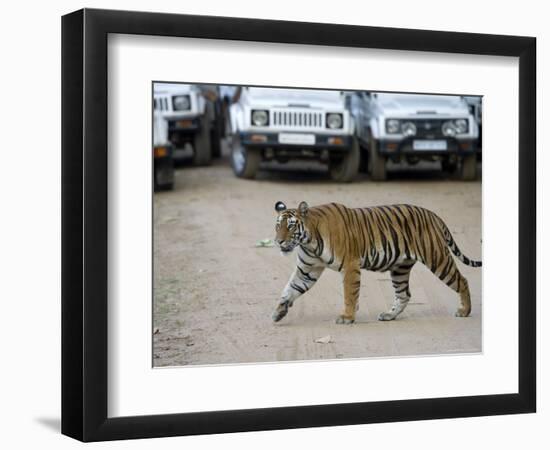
215	291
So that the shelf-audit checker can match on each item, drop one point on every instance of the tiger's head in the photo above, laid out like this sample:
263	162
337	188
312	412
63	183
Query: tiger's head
290	230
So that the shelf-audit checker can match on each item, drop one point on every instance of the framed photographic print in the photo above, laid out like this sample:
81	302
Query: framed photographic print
274	225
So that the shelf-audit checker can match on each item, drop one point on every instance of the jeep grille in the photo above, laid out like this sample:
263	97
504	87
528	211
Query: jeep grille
428	128
300	119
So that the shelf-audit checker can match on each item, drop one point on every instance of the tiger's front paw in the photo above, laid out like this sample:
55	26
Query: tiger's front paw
342	320
280	311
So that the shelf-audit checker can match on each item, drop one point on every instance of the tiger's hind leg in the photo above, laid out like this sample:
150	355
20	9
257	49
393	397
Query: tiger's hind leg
448	272
400	280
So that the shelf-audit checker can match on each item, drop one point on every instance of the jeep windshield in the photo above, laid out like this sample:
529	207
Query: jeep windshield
294	97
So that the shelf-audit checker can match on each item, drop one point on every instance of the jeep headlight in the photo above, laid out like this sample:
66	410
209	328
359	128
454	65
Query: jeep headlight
260	117
454	127
392	126
461	126
408	129
334	120
448	128
181	102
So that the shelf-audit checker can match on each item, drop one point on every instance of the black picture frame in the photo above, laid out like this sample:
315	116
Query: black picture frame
84	224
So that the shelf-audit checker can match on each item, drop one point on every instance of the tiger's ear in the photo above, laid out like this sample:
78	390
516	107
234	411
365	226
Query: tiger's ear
303	208
280	206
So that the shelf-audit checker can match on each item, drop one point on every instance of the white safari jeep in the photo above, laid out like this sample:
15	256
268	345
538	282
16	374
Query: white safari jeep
283	124
189	116
412	127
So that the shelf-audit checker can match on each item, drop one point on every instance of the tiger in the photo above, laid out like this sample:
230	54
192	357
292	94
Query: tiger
380	238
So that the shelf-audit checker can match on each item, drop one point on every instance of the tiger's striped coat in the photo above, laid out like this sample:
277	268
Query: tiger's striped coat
381	238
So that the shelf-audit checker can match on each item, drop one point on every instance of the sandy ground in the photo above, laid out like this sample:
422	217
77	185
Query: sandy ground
214	291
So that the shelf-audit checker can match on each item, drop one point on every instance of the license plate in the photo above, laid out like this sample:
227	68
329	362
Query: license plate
429	145
296	138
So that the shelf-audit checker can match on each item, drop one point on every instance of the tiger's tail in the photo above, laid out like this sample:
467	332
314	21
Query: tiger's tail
454	248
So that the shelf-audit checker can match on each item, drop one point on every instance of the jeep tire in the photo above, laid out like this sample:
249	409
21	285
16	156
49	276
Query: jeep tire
217	131
364	160
216	143
468	167
244	160
345	169
164	187
377	162
202	148
161	181
448	166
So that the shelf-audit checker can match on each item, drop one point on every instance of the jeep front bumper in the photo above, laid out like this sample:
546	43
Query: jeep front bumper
297	141
429	147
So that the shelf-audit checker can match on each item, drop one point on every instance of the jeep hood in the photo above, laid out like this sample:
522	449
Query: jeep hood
303	98
420	105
